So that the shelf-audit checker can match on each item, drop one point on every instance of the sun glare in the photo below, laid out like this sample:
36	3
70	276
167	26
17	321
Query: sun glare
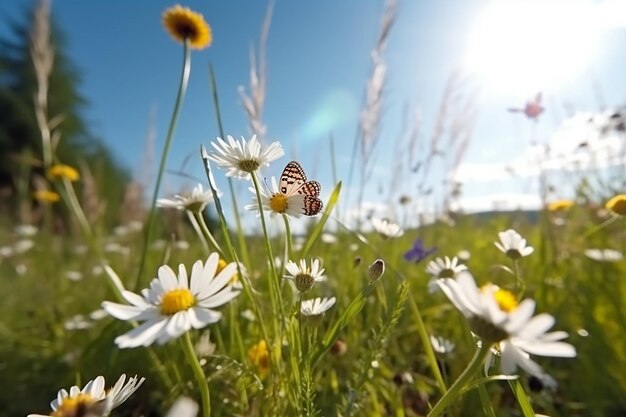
526	46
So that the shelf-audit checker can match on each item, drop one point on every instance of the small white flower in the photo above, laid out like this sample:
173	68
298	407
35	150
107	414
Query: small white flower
513	245
98	314
196	202
464	255
316	306
604	255
328	238
276	202
93	399
387	228
441	345
78	322
241	158
74	275
181	245
303	276
26	230
497	318
23	246
6	251
183	407
174	304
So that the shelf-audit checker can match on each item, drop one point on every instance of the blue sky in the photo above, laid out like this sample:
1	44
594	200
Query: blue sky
318	66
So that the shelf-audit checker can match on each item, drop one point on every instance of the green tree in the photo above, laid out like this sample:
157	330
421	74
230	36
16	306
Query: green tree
20	134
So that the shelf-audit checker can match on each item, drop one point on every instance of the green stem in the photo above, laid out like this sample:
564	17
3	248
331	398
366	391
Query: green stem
229	244
182	88
240	235
196	227
430	354
484	400
472	368
203	385
601	226
522	398
207	233
288	244
275	282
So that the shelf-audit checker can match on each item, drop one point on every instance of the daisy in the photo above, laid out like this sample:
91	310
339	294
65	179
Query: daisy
443	268
513	245
243	158
304	276
93	399
617	204
183	24
173	305
441	345
316	306
604	255
387	228
196	202
497	318
276	202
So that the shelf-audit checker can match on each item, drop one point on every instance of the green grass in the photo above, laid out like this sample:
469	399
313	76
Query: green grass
384	370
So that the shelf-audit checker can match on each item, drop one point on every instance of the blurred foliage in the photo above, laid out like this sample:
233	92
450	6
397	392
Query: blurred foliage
20	138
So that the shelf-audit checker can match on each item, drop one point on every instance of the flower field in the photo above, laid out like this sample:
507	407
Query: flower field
273	301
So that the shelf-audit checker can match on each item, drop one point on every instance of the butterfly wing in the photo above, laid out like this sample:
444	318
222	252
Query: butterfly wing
312	205
292	178
311	188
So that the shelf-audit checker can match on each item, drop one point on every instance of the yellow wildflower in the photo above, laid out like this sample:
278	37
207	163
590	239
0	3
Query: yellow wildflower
260	358
46	196
61	171
617	204
184	24
559	205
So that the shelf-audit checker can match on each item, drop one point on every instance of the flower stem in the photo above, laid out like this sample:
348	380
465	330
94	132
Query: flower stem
469	372
207	233
182	88
275	282
203	385
430	354
287	239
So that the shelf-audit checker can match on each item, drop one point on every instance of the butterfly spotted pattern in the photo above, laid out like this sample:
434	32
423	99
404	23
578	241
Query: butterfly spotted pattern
293	181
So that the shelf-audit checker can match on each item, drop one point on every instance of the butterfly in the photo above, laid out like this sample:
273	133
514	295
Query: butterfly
293	184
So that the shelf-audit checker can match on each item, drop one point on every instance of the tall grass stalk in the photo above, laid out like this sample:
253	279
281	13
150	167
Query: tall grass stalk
180	96
470	371
241	238
201	379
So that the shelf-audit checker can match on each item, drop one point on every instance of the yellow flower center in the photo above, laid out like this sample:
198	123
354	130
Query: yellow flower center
278	203
506	300
81	405
249	165
177	300
221	264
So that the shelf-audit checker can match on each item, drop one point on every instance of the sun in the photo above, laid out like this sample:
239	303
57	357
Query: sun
525	46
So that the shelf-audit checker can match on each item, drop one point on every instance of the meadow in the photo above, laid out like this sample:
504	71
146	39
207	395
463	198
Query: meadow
514	313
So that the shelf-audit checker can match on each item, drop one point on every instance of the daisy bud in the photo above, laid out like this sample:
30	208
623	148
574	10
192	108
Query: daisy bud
376	269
